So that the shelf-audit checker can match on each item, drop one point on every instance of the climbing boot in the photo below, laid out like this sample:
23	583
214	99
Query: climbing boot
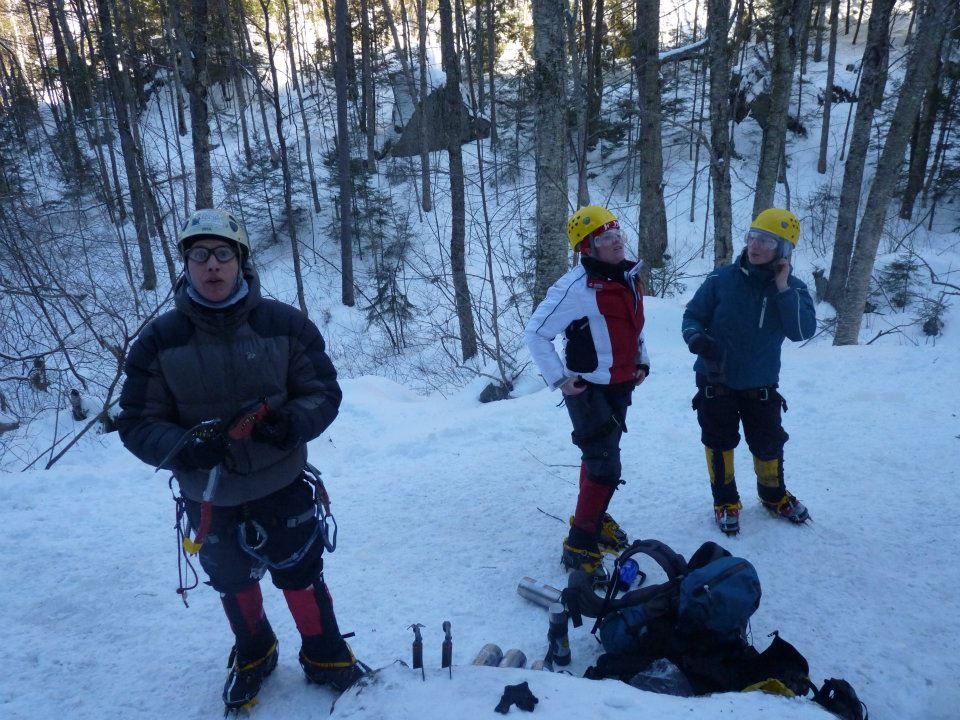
789	508
728	518
338	672
246	677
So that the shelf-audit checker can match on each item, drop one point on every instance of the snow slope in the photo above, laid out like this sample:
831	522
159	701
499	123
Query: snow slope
437	501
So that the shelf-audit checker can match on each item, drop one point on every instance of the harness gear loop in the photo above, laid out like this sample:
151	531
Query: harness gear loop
252	537
184	565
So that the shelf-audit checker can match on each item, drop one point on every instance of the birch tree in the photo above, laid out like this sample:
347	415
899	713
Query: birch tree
789	18
718	14
873	79
653	214
918	78
551	156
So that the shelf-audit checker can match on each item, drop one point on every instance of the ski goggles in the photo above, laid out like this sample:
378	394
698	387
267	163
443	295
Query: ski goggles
762	238
608	237
223	254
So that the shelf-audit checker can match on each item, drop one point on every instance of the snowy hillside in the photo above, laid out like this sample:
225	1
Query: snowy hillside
437	503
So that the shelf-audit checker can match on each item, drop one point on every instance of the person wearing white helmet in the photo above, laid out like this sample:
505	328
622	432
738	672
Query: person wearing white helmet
736	324
598	307
222	350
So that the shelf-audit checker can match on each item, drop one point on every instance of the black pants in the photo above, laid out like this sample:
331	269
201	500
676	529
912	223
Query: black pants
279	527
285	518
720	411
599	417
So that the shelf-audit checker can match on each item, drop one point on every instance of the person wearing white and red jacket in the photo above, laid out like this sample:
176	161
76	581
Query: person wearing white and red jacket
598	307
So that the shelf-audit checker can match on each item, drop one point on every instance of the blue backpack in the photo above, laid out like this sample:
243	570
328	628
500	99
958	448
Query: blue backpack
706	602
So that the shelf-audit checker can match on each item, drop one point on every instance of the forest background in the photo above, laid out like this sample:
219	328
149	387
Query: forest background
405	170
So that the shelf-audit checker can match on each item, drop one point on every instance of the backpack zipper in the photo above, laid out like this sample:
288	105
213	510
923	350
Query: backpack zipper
716	580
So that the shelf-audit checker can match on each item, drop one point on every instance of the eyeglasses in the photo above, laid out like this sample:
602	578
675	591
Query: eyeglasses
763	239
609	238
200	254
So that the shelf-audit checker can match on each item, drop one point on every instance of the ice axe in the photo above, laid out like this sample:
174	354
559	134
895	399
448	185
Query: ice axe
237	430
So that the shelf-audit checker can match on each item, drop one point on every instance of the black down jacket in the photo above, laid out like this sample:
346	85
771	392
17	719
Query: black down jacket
193	364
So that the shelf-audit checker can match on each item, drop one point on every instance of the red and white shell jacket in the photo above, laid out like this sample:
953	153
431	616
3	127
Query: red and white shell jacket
602	323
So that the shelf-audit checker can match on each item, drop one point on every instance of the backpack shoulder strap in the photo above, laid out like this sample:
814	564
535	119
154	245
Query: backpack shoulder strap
670	561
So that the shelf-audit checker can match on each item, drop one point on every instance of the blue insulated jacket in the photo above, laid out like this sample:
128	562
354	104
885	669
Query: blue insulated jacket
739	306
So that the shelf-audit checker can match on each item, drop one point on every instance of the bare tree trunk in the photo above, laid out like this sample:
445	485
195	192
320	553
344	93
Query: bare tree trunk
237	76
942	139
550	126
76	73
821	14
479	39
580	105
873	78
653	213
718	11
593	44
917	80
177	41
828	90
343	157
491	67
295	81
427	194
789	18
247	46
284	160
920	144
196	81
128	146
454	119
369	101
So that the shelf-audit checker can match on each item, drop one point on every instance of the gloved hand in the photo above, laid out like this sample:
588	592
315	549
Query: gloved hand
202	453
277	428
705	346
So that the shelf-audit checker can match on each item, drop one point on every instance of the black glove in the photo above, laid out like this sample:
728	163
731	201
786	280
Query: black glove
518	695
203	453
705	346
277	428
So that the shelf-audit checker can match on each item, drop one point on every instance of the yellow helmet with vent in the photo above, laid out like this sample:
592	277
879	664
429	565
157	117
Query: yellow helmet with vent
586	221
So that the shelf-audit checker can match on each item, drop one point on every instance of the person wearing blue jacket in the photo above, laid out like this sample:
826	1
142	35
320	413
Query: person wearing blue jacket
736	324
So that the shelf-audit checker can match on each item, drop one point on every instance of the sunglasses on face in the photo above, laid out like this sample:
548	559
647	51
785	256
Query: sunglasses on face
762	239
223	254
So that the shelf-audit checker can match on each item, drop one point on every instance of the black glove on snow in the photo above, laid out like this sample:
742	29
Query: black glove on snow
518	695
277	428
705	346
203	453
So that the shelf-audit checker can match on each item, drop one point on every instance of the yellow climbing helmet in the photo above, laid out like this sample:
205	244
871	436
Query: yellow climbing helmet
781	224
587	220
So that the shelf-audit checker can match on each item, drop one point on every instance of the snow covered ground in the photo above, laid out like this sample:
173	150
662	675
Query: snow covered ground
437	500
